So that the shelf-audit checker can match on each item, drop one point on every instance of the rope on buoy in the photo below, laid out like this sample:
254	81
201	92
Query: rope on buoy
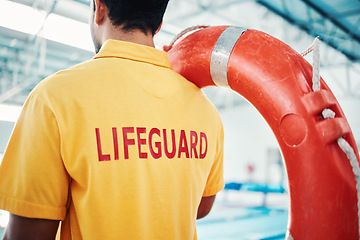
328	113
182	33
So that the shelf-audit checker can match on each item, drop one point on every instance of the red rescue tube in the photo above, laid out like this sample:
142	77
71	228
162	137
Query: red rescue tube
277	81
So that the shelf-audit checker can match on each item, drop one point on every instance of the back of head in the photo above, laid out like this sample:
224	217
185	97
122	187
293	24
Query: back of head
145	15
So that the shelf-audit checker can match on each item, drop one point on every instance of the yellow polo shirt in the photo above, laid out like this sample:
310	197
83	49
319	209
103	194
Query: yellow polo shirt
118	147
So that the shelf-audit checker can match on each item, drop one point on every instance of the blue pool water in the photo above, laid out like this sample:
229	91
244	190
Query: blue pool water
243	224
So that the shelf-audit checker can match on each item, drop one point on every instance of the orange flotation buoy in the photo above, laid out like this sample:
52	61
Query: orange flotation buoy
277	81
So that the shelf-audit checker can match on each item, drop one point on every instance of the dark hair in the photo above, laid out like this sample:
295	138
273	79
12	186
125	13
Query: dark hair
145	15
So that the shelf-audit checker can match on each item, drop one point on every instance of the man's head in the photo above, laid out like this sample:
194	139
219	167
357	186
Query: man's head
129	15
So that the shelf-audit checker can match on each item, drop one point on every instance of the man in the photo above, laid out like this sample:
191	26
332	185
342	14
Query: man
118	147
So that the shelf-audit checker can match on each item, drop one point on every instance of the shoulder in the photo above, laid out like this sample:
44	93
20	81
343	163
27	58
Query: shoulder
200	108
204	104
64	81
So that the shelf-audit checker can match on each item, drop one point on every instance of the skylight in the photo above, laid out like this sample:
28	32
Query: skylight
56	28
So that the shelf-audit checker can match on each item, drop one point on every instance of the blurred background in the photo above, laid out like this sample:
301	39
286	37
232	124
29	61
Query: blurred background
40	37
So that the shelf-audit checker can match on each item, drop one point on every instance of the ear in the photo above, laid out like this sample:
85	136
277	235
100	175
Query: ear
101	12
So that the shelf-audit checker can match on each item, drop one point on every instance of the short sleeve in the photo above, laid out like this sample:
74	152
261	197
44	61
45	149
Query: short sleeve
215	181
33	180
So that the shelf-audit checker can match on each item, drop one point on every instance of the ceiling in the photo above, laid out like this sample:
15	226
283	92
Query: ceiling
27	58
336	22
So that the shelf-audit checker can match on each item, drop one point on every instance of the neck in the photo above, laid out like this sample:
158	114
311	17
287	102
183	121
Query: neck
134	36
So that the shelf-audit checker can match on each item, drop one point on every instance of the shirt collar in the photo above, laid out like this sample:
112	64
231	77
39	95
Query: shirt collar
132	51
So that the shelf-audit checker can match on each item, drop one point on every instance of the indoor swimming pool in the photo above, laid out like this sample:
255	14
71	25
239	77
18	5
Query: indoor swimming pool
243	224
261	223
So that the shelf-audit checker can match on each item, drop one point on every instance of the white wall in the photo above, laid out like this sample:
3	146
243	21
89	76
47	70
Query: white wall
5	132
248	138
351	107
